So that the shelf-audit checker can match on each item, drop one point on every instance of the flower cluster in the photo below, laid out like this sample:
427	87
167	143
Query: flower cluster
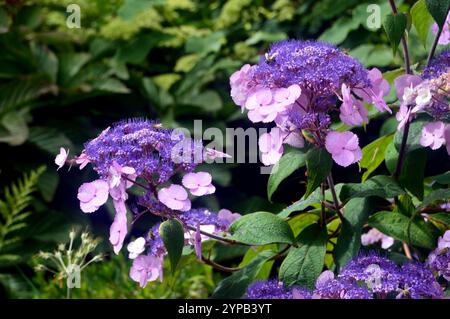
274	289
296	85
429	94
141	152
439	259
367	276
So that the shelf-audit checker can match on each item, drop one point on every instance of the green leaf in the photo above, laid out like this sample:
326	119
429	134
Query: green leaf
440	218
413	171
340	30
288	164
318	164
301	204
205	45
373	154
8	260
252	253
172	234
261	228
413	231
395	26
14	127
301	221
438	195
49	139
208	101
443	179
235	285
380	185
421	20
304	263
356	213
112	85
438	9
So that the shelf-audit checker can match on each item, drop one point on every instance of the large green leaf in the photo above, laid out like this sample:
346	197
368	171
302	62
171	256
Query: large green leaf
421	20
380	185
438	9
373	154
318	164
14	129
356	213
440	218
235	285
395	26
261	228
411	230
413	172
172	234
304	263
289	163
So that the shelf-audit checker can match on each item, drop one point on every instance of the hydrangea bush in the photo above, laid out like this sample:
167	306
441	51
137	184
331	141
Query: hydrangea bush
385	237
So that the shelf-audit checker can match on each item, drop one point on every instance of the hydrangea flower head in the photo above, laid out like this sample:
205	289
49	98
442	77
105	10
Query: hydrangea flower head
379	272
439	65
274	289
418	282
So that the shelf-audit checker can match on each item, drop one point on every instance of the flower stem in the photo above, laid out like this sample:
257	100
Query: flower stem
404	42
435	43
335	199
402	151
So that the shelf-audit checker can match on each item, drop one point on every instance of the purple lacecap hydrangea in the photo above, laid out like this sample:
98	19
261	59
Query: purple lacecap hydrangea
341	289
144	145
439	259
438	66
274	289
418	282
318	67
381	274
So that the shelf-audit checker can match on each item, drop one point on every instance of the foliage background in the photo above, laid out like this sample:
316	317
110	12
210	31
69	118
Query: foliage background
167	59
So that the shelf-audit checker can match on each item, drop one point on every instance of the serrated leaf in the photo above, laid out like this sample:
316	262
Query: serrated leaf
172	235
288	164
318	164
413	231
380	185
304	263
261	228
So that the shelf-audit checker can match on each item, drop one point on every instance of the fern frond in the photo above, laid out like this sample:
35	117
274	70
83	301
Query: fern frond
13	213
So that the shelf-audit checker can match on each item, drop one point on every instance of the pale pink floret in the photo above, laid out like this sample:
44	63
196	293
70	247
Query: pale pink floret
227	216
136	247
61	158
343	147
199	184
447	138
379	88
374	236
352	111
294	139
175	197
402	116
405	81
240	86
82	160
146	269
433	135
93	195
213	154
271	146
266	104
